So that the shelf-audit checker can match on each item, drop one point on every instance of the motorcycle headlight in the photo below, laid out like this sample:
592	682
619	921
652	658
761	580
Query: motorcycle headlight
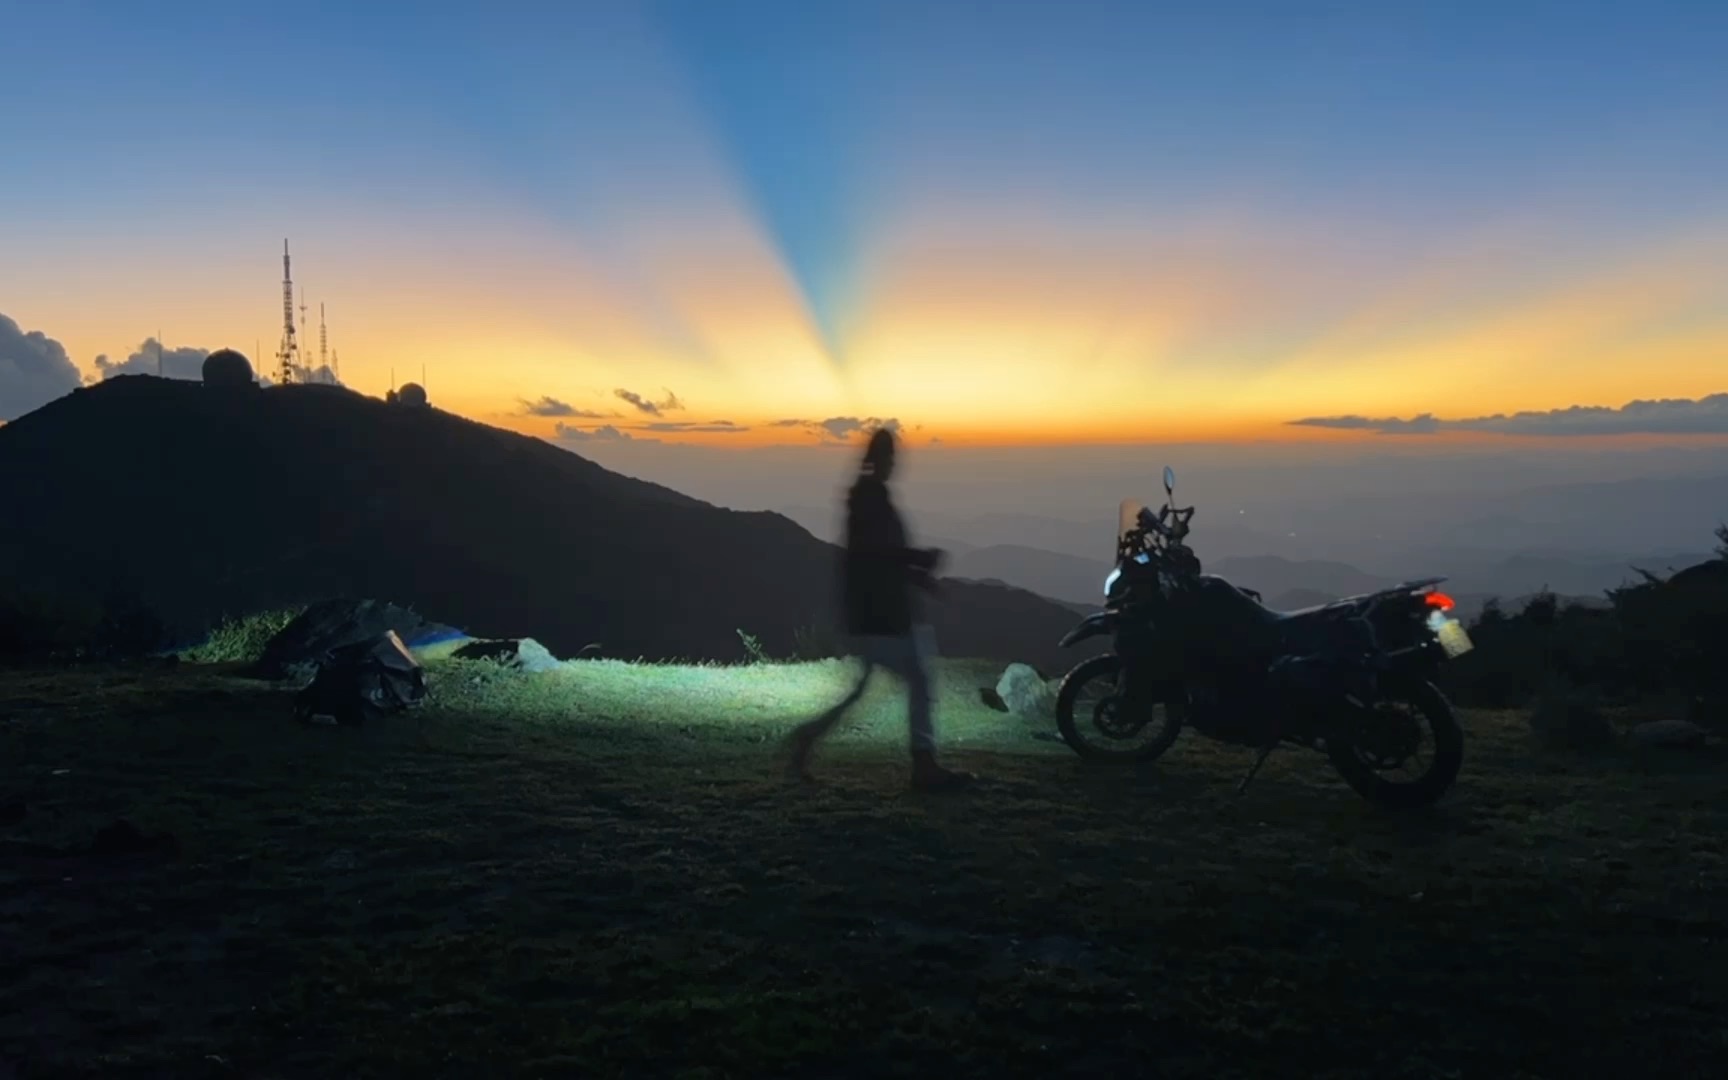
1111	579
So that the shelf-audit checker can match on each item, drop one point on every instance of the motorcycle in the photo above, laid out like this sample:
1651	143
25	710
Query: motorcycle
1352	679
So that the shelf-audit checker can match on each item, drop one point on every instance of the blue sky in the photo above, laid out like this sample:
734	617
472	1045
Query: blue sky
832	110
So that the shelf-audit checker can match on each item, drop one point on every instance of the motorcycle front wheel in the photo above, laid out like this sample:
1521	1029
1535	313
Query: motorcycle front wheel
1370	744
1088	709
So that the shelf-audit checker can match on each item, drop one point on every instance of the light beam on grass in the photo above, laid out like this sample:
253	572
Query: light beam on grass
758	702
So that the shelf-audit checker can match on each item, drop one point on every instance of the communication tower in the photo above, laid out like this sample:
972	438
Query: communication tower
288	357
323	345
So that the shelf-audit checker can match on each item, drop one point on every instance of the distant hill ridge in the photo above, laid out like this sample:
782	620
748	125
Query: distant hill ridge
1294	583
206	502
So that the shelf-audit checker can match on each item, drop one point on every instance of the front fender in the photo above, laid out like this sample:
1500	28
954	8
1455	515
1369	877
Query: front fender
1103	622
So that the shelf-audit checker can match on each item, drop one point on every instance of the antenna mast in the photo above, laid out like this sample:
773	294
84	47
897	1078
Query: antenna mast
323	343
289	357
306	372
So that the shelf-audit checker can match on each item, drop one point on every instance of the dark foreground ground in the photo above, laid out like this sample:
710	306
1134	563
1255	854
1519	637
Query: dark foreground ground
599	874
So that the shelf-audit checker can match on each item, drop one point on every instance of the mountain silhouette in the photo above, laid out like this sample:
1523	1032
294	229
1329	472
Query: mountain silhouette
1048	573
202	502
830	524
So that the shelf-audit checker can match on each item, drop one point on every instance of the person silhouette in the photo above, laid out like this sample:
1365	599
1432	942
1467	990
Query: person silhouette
880	570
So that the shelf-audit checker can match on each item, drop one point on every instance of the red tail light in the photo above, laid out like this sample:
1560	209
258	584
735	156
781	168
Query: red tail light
1439	600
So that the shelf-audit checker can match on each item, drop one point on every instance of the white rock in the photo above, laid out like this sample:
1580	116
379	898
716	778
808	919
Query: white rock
1024	691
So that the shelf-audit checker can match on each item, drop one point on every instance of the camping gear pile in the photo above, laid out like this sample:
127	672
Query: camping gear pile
363	681
356	656
330	625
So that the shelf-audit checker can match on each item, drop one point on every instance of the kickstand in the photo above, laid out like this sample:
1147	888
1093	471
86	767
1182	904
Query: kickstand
1265	752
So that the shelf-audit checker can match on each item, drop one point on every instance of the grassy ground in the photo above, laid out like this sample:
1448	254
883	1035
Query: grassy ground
599	872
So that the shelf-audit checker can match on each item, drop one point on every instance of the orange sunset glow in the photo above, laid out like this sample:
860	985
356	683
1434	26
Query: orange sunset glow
975	338
942	268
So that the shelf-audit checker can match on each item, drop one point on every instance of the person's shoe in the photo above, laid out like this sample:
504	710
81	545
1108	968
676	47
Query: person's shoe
929	777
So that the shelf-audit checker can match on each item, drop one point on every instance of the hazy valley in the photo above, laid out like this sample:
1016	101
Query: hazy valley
1068	560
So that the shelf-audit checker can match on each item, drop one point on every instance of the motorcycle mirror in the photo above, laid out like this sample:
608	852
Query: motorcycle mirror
1169	481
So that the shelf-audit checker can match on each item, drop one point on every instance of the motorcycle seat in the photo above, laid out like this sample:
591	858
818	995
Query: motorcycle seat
1299	613
1270	615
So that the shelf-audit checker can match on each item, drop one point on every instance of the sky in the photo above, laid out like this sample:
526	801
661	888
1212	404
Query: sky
995	224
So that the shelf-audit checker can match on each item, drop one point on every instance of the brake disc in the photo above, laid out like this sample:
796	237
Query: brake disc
1107	717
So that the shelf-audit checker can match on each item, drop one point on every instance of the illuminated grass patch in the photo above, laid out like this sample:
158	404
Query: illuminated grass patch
242	639
748	702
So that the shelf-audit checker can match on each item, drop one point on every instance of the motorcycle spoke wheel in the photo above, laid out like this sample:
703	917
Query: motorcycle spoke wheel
1396	742
1094	725
1405	752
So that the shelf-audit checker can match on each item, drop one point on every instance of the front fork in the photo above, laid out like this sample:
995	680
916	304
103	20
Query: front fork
1138	680
1137	687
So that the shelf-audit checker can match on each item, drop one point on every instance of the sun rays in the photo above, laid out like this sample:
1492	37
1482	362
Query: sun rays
819	212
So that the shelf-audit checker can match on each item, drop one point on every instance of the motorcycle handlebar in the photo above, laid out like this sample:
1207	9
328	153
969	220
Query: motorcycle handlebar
1157	522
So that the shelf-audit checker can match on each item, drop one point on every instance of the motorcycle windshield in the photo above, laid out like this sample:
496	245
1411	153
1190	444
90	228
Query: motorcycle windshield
1127	518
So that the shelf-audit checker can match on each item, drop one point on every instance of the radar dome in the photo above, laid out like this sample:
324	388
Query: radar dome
225	367
411	394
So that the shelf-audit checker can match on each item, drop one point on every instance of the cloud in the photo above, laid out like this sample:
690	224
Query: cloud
186	362
652	408
641	403
34	370
834	431
692	426
604	433
1669	416
623	433
1424	424
551	406
840	429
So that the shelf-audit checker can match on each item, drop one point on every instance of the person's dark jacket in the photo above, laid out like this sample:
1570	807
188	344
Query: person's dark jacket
880	569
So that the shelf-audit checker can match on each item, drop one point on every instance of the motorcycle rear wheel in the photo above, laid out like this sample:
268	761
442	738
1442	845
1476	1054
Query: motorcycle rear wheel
1107	668
1434	712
